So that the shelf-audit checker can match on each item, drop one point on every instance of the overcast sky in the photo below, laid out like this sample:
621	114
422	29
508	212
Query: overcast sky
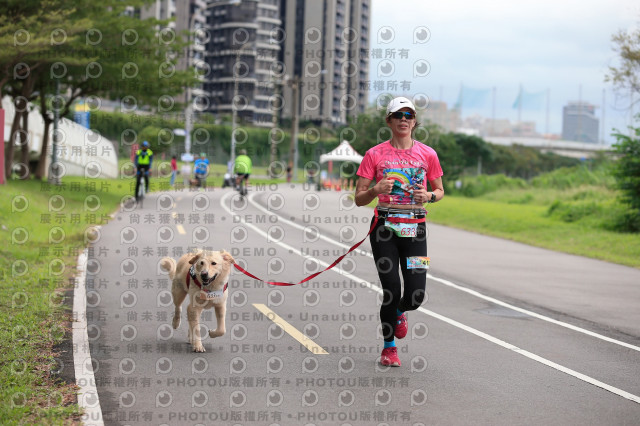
561	45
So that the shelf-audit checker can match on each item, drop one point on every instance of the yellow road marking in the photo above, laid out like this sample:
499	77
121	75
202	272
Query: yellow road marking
312	346
180	229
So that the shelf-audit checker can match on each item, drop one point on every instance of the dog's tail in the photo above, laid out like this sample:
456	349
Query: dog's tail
168	265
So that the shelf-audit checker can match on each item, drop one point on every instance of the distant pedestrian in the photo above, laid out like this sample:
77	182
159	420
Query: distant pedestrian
399	168
174	170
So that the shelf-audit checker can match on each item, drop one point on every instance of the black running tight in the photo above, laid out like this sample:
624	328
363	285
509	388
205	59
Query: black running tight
389	253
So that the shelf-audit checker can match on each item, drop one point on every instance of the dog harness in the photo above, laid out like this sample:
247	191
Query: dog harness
191	275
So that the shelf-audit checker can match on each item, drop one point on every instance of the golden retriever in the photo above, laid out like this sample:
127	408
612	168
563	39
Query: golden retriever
203	276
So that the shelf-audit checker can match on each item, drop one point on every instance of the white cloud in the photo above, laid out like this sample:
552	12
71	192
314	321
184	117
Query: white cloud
556	44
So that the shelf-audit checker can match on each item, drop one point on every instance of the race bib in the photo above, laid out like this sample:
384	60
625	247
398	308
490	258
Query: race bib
211	295
418	262
408	230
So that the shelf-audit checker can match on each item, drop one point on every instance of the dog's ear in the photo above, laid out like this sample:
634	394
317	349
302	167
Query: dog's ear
194	259
227	256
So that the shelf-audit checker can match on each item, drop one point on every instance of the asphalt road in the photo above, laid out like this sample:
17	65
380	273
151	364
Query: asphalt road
510	334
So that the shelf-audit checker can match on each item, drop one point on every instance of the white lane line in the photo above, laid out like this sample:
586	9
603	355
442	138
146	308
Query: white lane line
302	228
452	322
87	393
464	289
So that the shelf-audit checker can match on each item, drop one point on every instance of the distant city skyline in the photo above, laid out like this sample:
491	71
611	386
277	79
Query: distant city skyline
564	48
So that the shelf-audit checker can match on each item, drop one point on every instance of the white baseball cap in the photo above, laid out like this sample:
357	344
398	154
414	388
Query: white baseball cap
398	103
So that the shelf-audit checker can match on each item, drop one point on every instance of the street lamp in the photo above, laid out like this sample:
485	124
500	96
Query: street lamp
293	150
186	132
54	176
234	112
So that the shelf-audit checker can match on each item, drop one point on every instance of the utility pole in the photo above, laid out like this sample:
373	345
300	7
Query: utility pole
580	138
293	151
187	124
493	112
274	119
520	105
234	111
546	124
604	103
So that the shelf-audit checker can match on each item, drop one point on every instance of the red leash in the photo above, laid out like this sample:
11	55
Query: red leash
338	260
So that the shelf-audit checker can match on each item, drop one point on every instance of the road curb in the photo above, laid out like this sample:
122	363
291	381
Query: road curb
87	392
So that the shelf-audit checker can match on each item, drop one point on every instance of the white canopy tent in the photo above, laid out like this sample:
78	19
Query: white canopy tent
343	152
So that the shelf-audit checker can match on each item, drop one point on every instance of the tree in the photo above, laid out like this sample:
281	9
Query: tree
626	76
476	151
366	130
29	31
627	174
449	153
91	49
627	168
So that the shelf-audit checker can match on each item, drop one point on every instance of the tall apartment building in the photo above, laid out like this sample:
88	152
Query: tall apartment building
242	53
252	50
579	122
190	15
326	51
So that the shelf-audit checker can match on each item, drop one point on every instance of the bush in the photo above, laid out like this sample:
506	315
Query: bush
574	211
483	184
572	177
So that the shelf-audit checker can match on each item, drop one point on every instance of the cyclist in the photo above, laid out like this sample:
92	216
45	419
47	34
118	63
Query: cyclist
242	168
201	170
143	161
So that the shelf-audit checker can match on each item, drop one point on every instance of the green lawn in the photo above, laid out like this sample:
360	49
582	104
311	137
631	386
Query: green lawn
42	232
524	216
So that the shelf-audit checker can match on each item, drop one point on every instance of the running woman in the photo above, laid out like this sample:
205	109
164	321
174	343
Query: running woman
399	168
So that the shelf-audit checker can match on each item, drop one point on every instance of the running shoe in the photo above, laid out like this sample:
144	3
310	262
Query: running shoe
402	326
389	357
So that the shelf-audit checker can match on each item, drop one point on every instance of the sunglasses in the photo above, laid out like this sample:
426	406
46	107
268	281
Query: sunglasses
399	115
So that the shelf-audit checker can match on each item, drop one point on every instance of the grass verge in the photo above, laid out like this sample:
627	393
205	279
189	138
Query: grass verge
534	217
42	232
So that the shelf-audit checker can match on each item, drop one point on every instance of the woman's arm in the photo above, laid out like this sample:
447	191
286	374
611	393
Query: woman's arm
437	188
365	195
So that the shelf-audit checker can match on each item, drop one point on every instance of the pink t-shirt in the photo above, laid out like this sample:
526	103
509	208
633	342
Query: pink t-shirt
406	167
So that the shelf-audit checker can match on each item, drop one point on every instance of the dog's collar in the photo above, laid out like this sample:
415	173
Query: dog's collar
191	275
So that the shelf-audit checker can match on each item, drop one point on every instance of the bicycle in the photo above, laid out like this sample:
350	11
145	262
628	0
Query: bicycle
242	186
141	188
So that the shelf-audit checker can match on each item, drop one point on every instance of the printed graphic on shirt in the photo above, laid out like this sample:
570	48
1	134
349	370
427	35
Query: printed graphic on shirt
405	180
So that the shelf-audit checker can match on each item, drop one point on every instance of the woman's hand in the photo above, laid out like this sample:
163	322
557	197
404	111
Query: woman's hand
384	186
420	194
